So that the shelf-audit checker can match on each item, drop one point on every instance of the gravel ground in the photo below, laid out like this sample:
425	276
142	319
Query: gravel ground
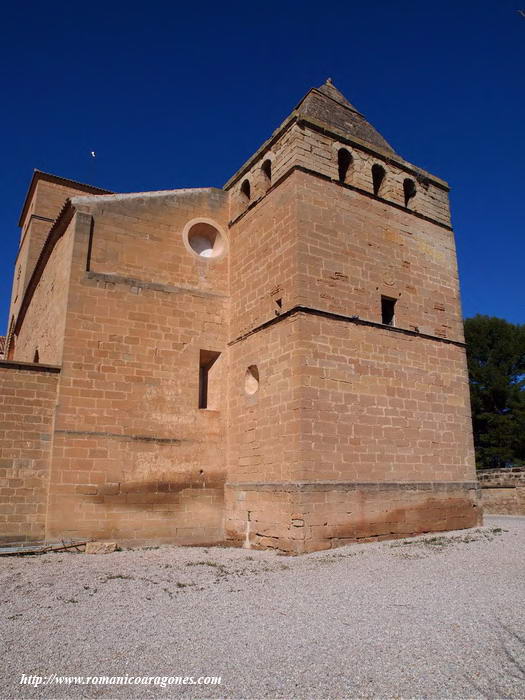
432	617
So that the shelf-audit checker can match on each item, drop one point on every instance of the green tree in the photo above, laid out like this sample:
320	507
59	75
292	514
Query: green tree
496	364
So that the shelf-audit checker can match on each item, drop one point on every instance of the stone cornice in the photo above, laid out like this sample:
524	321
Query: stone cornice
347	319
327	178
29	366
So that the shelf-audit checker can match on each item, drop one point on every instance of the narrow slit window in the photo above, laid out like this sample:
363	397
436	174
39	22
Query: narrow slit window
36	357
344	161
388	311
208	381
251	380
378	175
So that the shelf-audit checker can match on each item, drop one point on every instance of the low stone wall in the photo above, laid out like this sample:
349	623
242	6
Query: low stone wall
503	490
27	406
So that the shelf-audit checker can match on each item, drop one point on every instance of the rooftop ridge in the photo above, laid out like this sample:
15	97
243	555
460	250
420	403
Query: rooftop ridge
117	196
329	90
327	104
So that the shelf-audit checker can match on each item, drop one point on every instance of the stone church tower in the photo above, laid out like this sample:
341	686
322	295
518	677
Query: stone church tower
277	363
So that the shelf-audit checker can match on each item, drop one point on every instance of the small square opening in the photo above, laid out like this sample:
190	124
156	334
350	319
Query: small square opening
388	316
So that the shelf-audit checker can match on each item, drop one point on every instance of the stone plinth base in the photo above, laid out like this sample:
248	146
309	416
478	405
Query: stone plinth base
299	517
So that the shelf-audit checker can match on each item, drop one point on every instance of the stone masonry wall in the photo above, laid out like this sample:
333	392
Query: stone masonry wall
140	237
503	490
372	438
305	147
43	327
134	457
264	426
382	406
263	261
46	203
307	517
27	406
335	250
354	249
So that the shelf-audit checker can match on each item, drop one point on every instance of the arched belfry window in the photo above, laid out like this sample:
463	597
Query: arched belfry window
266	169
246	190
378	176
344	161
409	190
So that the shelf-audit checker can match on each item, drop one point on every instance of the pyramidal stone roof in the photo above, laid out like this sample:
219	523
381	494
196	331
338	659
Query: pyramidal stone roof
326	104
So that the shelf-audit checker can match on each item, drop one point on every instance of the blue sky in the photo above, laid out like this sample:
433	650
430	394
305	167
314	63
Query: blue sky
179	95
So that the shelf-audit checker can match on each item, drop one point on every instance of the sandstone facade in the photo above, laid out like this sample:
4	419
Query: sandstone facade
277	363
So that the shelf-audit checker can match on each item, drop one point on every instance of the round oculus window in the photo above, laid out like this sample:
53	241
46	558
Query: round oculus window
205	240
